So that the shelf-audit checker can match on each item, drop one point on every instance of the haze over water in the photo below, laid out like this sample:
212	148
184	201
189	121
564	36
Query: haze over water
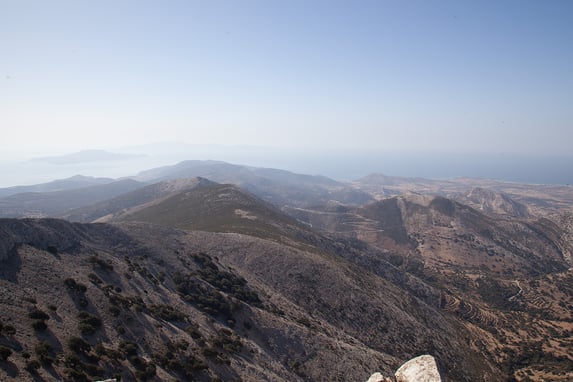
342	88
341	165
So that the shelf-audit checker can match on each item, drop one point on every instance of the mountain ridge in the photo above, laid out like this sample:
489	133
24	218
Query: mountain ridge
54	203
73	182
125	203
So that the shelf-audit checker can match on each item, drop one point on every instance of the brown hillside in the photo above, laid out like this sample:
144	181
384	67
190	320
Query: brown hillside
143	302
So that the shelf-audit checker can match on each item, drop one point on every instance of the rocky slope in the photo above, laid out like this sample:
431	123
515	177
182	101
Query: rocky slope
221	208
130	202
81	302
540	200
491	202
504	277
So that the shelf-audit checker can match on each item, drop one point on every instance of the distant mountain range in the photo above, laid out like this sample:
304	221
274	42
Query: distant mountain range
213	271
276	186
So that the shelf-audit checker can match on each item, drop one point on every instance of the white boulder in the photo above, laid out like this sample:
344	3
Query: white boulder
419	369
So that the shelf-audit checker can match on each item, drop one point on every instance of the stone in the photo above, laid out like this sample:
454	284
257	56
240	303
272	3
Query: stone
419	369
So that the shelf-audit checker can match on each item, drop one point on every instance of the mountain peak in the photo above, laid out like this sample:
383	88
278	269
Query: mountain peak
218	208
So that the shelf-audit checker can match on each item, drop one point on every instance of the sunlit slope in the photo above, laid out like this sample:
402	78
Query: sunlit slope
131	201
220	208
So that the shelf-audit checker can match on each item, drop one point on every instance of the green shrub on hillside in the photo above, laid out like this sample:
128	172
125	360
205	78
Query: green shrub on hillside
88	323
95	261
38	314
32	365
227	340
78	345
166	312
44	352
204	298
4	353
71	284
128	348
9	330
94	278
39	325
225	281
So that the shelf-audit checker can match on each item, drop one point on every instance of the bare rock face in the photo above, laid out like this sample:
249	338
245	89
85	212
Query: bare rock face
419	369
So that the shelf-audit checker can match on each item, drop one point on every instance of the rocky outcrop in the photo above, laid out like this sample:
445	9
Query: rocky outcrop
492	202
55	235
45	234
419	369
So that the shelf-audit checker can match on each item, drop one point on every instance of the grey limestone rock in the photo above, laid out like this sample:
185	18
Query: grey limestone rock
419	369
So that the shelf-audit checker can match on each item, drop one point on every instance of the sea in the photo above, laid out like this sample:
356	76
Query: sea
345	165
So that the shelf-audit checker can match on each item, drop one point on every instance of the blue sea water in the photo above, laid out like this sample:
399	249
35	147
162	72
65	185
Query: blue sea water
351	165
340	165
512	168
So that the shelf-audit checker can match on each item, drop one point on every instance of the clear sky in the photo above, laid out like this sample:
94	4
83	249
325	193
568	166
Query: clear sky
479	76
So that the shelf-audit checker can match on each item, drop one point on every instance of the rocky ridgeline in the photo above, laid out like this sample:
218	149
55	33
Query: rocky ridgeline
419	369
46	234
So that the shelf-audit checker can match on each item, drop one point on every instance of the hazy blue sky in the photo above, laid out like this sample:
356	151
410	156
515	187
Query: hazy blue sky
483	76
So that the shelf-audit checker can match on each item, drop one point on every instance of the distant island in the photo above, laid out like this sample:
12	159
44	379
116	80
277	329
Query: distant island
85	156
